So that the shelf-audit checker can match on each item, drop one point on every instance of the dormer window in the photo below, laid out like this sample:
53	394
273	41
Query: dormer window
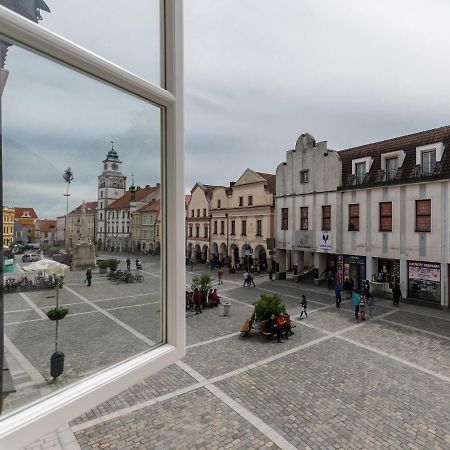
391	168
360	172
428	162
360	168
428	158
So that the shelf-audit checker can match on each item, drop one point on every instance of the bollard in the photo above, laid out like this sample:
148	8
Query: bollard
226	309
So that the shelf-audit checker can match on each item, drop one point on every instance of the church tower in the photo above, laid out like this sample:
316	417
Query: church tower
111	186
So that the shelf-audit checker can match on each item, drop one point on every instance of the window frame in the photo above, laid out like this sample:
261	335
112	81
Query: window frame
424	215
351	216
244	227
38	418
324	218
285	220
304	217
259	226
384	215
304	176
233	228
250	200
241	201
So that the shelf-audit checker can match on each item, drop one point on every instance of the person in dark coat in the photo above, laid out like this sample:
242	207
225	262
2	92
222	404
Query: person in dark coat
397	294
88	277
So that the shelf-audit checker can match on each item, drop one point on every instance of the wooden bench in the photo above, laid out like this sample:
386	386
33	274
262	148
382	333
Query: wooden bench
247	325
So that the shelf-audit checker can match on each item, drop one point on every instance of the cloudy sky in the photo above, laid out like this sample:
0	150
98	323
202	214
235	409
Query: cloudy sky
258	73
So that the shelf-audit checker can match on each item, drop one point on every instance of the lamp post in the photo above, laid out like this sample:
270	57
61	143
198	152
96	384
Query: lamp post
209	239
68	178
228	250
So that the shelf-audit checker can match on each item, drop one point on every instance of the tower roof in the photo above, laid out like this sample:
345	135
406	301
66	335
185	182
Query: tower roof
112	154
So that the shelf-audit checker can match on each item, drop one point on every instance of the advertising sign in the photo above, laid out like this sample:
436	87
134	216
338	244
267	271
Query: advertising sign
303	239
424	271
325	240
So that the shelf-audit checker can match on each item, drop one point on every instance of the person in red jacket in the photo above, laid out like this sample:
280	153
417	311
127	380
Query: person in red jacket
197	302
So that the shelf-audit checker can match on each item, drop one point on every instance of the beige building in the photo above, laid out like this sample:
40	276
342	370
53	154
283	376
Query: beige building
73	224
8	226
232	224
380	212
145	229
45	232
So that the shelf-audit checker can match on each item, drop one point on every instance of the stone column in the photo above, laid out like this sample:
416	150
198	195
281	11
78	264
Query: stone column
281	260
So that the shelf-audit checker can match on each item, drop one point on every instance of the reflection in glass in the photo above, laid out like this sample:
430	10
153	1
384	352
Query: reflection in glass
101	218
103	27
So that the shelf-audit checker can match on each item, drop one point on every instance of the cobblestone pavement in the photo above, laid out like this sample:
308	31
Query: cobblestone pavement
338	383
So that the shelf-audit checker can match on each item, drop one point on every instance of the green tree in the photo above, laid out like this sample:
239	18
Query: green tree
268	305
203	283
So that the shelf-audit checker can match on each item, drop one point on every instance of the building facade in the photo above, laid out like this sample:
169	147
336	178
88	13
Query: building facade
8	226
45	232
73	224
378	212
232	225
145	229
26	217
119	213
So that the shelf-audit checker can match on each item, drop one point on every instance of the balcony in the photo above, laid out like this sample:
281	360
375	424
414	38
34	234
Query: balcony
426	171
356	179
384	176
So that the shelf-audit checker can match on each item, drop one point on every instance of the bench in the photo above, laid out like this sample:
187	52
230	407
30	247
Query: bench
247	325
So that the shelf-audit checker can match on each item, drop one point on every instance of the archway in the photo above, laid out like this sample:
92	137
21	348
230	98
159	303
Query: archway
157	248
260	257
197	252
150	247
235	262
189	251
204	253
247	256
223	254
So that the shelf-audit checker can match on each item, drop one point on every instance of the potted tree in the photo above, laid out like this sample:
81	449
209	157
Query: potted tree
203	283
102	265
269	305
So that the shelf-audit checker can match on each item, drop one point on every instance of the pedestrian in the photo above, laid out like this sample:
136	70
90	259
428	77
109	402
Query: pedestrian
245	279
88	277
304	305
362	306
274	328
351	285
370	304
330	278
367	287
250	280
220	275
128	264
337	292
356	303
347	288
396	293
197	302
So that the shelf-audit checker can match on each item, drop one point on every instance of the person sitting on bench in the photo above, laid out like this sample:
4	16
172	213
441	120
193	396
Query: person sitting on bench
274	328
283	326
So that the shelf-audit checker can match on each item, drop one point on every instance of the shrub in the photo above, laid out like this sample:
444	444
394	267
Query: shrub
57	313
102	263
203	283
268	305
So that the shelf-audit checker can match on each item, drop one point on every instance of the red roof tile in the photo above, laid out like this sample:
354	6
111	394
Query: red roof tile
152	206
18	213
45	225
124	201
90	208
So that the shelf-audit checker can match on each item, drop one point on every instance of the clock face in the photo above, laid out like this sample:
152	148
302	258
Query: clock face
114	166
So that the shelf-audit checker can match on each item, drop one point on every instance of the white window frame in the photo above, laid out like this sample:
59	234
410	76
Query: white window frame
37	419
368	160
400	155
438	146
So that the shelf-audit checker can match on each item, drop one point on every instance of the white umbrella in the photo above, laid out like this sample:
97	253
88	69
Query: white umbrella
46	265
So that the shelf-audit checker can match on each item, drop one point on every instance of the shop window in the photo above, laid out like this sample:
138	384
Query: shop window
284	218
304	218
326	218
353	217
423	215
386	216
244	227
233	227
259	227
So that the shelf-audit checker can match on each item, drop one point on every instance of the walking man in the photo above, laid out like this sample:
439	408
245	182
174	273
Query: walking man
304	305
88	277
370	304
128	264
396	293
220	275
250	280
337	291
245	279
197	302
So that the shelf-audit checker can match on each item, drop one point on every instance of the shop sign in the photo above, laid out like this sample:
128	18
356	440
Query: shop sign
325	240
354	259
304	239
424	271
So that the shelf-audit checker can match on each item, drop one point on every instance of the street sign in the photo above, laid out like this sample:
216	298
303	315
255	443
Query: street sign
249	252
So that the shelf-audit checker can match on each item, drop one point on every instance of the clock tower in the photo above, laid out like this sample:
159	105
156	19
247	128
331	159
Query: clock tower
111	186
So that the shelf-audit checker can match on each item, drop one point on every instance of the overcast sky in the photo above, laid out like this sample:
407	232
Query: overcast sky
258	73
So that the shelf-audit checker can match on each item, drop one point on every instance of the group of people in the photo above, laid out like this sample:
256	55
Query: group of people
138	264
196	300
248	279
280	326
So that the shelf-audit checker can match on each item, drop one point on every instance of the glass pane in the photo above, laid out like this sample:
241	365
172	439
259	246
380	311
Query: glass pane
54	118
103	27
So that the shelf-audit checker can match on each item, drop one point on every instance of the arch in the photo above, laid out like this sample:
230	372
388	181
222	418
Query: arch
214	249
245	247
223	250
150	247
260	256
205	252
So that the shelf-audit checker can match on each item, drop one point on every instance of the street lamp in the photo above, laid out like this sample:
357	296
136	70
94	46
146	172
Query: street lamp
228	250
68	178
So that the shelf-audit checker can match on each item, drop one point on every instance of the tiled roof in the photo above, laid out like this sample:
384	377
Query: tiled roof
46	225
90	208
124	201
152	206
406	143
271	181
18	212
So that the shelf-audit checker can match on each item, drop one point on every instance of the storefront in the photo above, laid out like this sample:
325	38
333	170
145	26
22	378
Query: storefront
387	275
355	267
424	281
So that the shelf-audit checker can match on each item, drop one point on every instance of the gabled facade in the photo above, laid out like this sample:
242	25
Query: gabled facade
45	232
26	217
8	226
381	212
145	229
73	224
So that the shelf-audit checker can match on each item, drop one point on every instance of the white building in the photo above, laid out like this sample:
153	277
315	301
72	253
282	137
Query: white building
379	212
